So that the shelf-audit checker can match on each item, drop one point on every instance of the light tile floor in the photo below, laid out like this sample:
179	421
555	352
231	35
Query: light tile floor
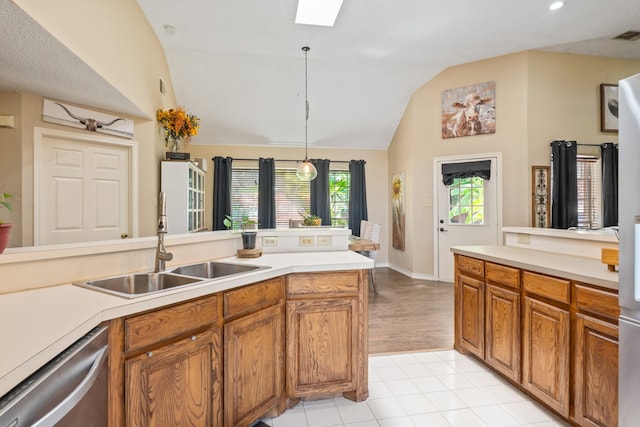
427	389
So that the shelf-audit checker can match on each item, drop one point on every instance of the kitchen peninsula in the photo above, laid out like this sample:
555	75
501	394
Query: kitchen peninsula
302	321
547	322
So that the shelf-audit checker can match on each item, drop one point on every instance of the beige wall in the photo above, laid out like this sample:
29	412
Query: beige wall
540	97
115	39
375	170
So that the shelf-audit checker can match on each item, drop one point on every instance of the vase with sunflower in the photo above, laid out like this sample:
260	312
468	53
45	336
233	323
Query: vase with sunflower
178	127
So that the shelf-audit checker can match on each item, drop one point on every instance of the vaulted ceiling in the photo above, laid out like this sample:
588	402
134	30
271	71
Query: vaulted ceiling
239	66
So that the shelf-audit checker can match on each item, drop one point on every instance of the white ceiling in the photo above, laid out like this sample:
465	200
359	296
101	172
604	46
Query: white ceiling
238	65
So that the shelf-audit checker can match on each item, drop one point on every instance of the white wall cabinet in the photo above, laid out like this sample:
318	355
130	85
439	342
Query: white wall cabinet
183	184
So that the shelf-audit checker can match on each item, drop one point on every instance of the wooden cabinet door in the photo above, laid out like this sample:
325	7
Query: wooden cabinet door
545	353
502	328
321	346
253	366
174	385
471	315
596	372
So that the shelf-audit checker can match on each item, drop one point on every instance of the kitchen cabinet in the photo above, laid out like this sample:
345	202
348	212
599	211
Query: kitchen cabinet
502	319
231	358
183	185
545	350
469	305
555	339
254	352
327	335
165	367
595	352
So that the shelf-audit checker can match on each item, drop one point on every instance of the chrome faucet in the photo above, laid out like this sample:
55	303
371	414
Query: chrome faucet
161	253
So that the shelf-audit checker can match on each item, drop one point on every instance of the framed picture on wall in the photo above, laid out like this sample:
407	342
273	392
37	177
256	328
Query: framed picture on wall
608	108
540	186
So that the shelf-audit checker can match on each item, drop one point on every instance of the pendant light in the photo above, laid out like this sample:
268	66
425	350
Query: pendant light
306	171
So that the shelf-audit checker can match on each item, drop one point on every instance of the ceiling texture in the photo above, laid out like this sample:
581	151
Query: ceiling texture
239	65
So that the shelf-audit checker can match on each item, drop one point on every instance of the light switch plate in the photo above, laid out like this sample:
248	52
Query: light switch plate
324	240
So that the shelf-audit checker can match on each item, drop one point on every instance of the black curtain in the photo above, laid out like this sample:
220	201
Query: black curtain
609	152
480	168
357	196
319	192
266	193
564	191
221	190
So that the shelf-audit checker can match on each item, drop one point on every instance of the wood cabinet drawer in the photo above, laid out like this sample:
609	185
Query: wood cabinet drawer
323	284
160	325
252	298
547	286
502	275
598	301
470	266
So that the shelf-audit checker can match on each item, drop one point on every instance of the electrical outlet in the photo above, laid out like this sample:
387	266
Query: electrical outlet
306	240
324	240
269	241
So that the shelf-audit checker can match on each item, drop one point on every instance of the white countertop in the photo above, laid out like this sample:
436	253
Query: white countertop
581	269
36	325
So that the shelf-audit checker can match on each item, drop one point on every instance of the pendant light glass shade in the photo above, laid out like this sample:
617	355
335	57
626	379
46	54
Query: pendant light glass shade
306	171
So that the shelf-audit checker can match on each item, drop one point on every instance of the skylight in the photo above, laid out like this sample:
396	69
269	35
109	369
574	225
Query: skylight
318	12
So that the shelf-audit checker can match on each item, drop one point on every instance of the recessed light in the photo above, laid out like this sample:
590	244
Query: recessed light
318	12
556	5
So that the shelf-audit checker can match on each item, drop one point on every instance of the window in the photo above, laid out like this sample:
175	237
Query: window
466	201
589	191
339	183
292	195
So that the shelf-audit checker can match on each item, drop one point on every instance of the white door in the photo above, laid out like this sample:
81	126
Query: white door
467	212
83	190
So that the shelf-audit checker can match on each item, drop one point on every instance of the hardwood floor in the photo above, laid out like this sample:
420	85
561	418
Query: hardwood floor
409	315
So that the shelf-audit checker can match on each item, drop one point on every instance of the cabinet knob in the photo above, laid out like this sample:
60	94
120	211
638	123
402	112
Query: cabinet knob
149	353
124	235
193	337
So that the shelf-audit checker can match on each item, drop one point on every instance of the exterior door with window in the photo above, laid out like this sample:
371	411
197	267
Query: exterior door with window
467	211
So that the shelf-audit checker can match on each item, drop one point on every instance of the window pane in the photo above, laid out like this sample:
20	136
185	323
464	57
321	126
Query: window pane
589	192
292	196
339	182
466	201
244	195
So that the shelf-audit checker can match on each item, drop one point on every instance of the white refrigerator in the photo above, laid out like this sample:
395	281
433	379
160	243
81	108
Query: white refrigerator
629	276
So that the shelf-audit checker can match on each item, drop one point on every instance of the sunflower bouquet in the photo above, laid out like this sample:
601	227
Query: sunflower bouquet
178	125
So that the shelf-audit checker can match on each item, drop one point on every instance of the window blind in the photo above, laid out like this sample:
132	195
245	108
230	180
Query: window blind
589	191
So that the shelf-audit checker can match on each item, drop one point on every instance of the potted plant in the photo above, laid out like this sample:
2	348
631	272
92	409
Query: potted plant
310	219
248	229
5	227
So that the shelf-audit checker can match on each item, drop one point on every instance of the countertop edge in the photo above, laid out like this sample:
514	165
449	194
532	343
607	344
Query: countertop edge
580	269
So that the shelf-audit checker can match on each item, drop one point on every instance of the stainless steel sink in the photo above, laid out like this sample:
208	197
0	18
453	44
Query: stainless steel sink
136	285
215	269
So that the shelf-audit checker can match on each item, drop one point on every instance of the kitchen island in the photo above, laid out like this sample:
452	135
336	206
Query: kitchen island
547	322
40	323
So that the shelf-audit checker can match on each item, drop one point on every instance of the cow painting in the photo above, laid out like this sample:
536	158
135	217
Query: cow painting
469	111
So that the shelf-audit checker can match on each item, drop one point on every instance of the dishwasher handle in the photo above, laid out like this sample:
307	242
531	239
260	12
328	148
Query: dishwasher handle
69	402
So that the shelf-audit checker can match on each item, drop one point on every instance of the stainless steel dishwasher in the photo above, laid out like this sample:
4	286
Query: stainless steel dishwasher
70	390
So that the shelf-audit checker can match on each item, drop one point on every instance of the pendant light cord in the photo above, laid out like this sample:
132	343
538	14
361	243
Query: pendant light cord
306	103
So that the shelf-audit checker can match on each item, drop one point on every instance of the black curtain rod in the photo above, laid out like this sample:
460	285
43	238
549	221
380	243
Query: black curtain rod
587	145
288	160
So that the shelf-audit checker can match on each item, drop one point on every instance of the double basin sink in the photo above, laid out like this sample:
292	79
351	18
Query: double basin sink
139	284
